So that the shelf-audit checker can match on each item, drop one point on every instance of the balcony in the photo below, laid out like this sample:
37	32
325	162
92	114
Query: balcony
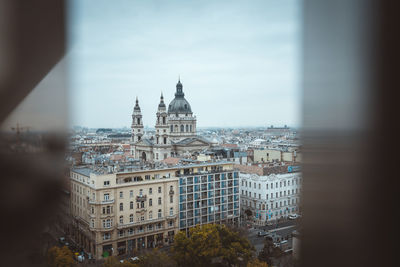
105	201
171	217
141	198
141	210
171	192
126	225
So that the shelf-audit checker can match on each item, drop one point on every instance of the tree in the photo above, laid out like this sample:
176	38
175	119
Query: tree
60	257
198	250
257	263
269	251
211	242
113	262
156	258
248	213
234	248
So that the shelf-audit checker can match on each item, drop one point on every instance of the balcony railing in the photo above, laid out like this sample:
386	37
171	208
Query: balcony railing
141	198
126	225
105	201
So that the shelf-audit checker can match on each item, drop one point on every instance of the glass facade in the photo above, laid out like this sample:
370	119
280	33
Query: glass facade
208	198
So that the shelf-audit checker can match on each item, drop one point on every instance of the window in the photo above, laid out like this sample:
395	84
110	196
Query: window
276	194
163	120
187	128
121	206
165	142
121	233
131	193
259	186
150	215
106	197
147	177
272	186
131	218
106	183
121	219
182	128
150	191
259	196
142	204
130	231
190	127
267	186
280	184
106	236
171	199
171	188
159	213
92	223
92	210
107	223
121	194
150	202
142	218
159	201
159	189
170	224
131	205
171	211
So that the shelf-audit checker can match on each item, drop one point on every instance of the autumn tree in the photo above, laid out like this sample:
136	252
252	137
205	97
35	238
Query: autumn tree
60	257
269	251
211	242
113	262
156	258
198	249
257	263
234	248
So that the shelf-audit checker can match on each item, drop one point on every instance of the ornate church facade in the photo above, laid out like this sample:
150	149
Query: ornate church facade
175	131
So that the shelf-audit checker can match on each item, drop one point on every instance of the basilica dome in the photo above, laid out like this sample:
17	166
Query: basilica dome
179	104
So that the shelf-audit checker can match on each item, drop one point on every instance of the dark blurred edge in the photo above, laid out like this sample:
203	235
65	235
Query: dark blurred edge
350	174
350	145
35	37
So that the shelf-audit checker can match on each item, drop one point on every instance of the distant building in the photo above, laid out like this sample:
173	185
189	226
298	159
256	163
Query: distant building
175	131
270	197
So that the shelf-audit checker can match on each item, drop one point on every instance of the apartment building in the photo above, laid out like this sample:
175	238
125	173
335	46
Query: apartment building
208	193
270	197
116	213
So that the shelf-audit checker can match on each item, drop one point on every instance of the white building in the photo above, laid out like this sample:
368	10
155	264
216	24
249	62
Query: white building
270	197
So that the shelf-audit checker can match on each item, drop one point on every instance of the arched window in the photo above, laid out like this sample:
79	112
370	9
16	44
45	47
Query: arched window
172	128
131	205
138	120
171	211
131	218
163	120
159	213
187	128
182	128
121	219
121	206
150	215
165	140
176	128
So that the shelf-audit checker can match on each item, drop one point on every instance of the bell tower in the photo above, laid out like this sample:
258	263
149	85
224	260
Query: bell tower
161	124
137	123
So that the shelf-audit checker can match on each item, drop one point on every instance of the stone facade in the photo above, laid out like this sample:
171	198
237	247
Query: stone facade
175	131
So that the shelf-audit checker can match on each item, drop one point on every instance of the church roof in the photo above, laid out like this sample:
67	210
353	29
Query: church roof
179	104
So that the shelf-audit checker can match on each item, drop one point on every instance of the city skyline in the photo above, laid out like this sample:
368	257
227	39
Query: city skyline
238	62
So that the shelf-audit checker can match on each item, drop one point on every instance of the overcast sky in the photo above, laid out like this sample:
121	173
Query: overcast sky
238	60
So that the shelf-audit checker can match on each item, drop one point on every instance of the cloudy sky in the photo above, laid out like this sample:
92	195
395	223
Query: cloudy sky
238	60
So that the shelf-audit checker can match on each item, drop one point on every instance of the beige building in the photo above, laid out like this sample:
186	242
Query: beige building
117	213
270	155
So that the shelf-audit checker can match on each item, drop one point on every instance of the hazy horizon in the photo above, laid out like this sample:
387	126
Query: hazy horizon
238	61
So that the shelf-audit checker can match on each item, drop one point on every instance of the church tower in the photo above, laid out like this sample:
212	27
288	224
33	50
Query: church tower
137	123
181	122
161	124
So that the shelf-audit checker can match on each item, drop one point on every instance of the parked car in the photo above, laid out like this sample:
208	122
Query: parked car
269	224
133	259
262	233
293	216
